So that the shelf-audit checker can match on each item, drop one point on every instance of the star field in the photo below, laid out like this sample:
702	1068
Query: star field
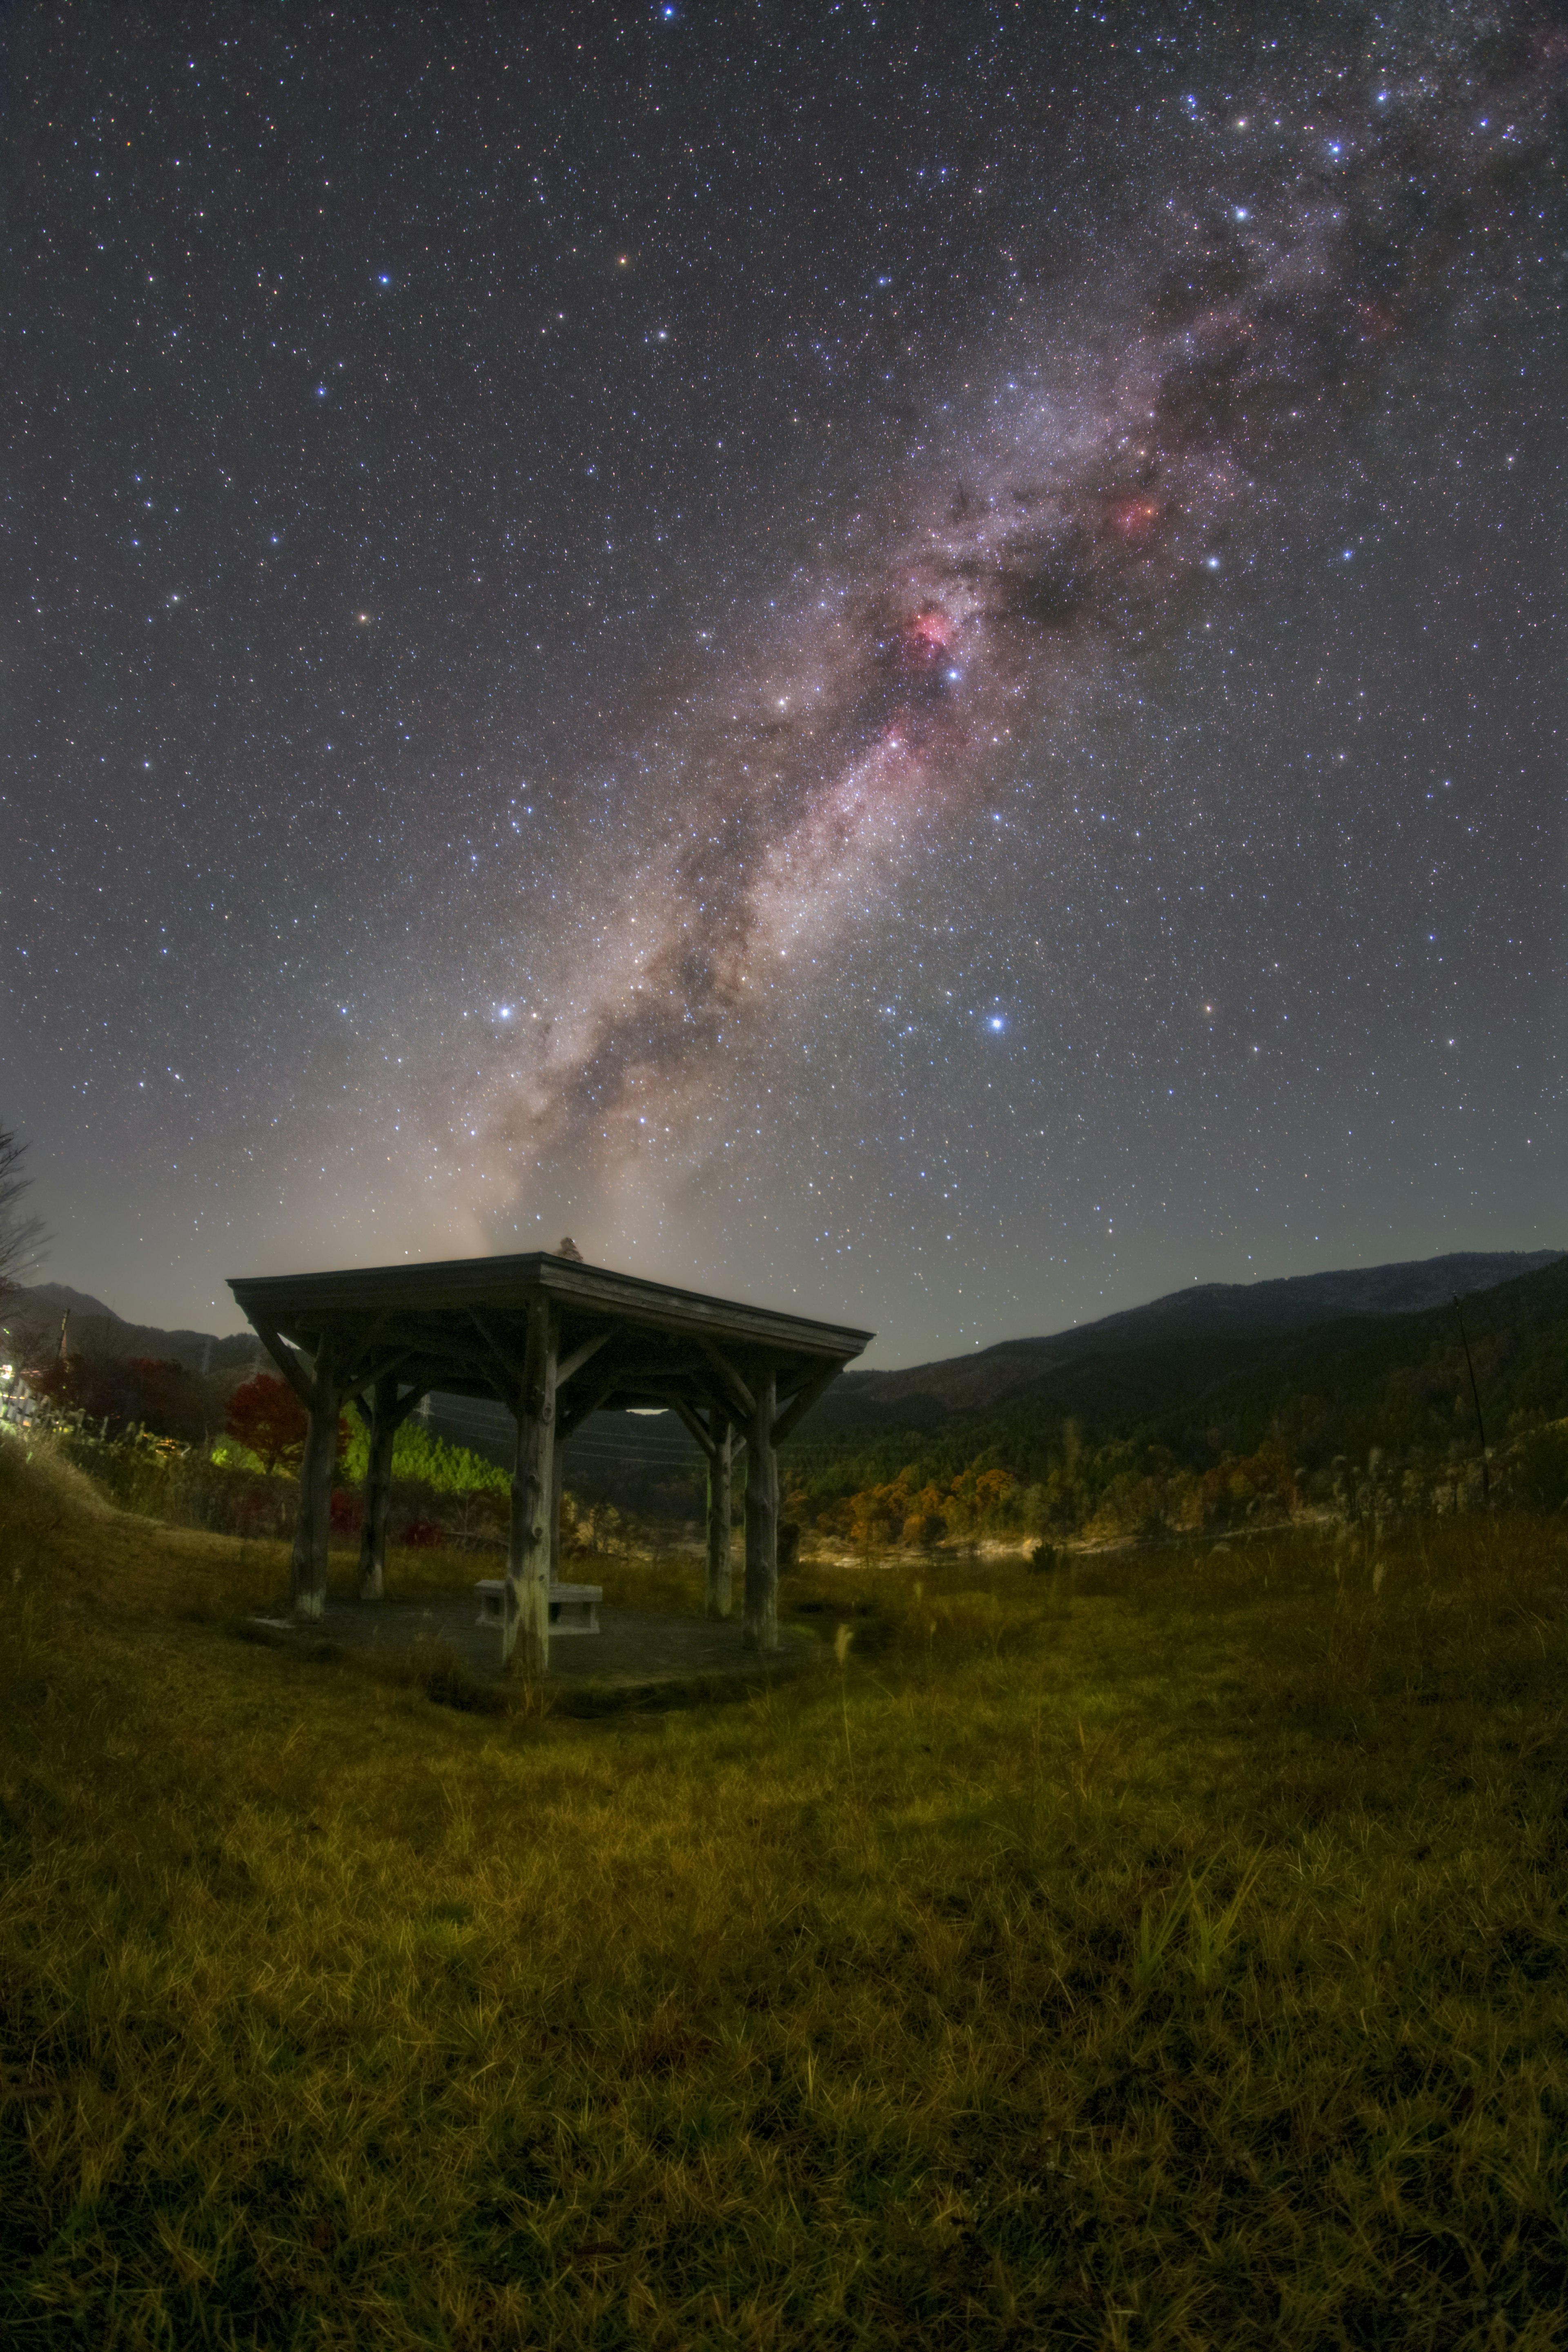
904	661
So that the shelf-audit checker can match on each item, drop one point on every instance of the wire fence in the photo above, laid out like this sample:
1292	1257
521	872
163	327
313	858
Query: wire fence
628	1440
611	1437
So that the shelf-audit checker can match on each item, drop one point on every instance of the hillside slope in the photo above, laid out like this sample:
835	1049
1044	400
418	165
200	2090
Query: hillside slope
1340	1386
32	1315
1151	1343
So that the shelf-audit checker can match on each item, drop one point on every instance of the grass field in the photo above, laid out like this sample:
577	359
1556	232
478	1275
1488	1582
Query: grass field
1166	1951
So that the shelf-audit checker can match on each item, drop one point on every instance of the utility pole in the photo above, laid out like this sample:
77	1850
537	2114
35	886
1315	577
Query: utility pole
1480	1424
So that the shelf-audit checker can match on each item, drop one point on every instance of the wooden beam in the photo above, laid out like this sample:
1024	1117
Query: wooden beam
286	1361
731	1379
354	1345
573	1416
801	1402
443	1337
679	1405
369	1377
513	1376
409	1403
582	1355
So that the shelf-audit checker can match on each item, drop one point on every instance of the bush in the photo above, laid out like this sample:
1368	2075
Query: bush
347	1512
39	1484
267	1417
1540	1469
124	1392
158	1479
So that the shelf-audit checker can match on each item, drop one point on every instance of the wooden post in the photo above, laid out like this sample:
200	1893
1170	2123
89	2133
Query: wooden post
718	1596
557	1489
308	1570
386	1418
527	1614
380	1434
760	1626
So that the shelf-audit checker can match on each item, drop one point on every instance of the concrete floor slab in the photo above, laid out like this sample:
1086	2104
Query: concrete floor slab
632	1647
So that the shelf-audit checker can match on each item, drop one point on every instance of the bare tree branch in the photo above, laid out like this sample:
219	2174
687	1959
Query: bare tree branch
22	1238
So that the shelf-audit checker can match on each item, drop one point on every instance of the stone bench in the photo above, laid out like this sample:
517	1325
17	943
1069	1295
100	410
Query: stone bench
574	1608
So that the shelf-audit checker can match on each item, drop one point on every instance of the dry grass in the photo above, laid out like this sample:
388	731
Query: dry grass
1171	1956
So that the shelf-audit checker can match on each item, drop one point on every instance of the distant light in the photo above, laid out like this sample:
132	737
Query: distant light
383	280
1212	561
503	1012
1347	554
996	1021
1241	212
954	676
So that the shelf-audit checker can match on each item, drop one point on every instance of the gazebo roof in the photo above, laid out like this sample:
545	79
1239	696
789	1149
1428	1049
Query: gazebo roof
460	1325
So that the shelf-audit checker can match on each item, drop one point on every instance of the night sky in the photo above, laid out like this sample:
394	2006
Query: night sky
908	662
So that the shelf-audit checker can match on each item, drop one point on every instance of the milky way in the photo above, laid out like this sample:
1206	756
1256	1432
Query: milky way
905	660
1063	519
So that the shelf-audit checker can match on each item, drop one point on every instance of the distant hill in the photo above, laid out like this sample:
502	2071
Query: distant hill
32	1314
929	1396
1207	1384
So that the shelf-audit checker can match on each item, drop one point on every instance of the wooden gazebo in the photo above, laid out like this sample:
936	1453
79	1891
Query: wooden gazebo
554	1340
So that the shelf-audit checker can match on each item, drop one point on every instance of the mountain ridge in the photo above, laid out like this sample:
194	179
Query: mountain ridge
1234	1310
96	1329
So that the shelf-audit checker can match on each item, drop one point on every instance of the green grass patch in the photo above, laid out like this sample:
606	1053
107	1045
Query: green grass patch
1168	1950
